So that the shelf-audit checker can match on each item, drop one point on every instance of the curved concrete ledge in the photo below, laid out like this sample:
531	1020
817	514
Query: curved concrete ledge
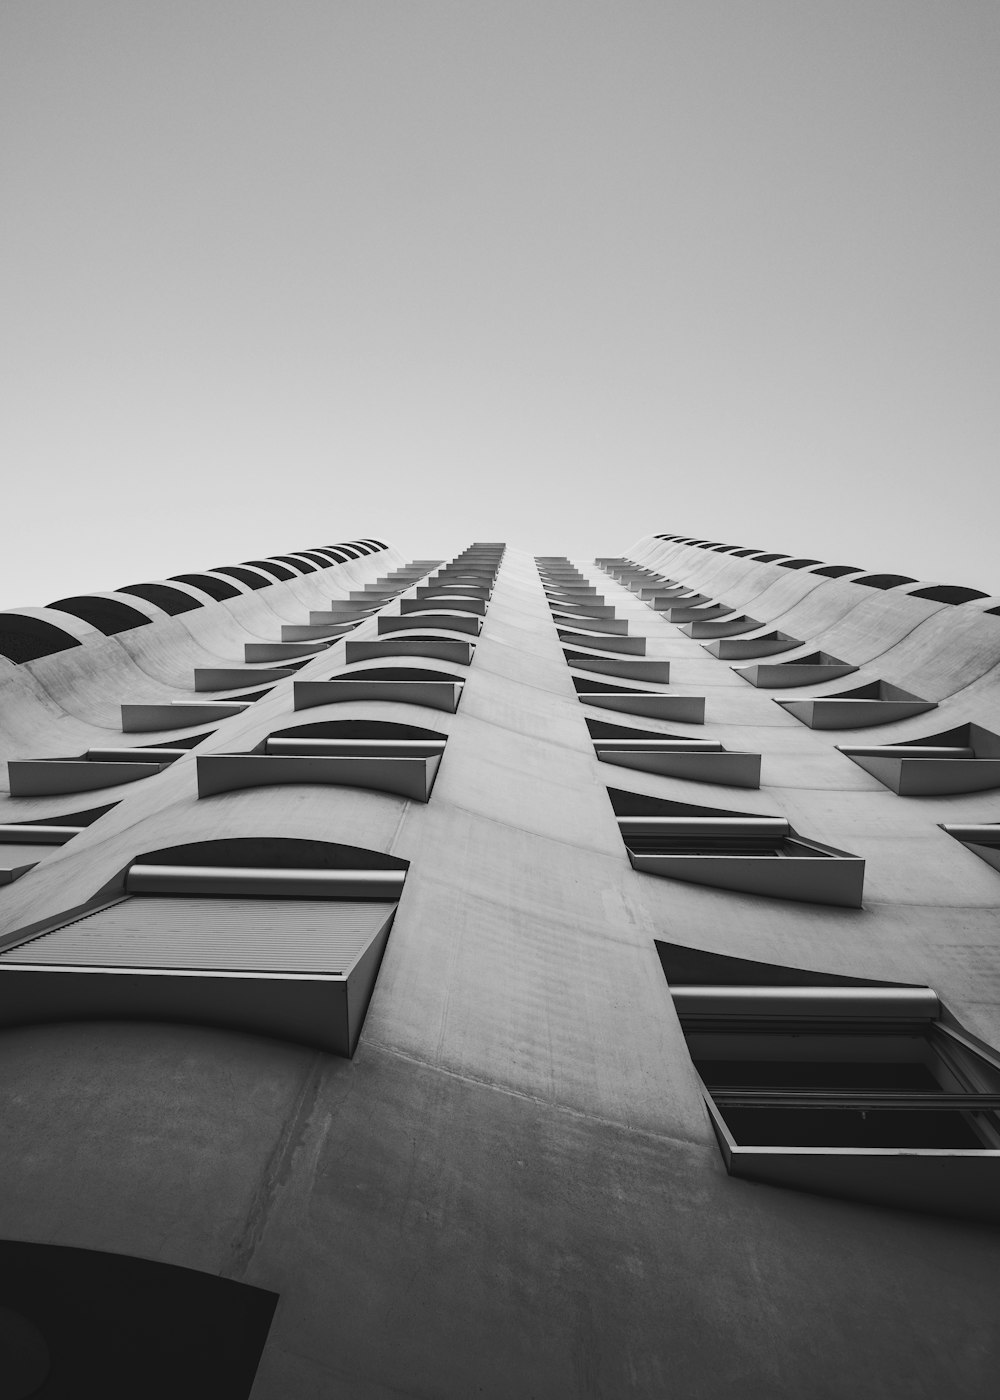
599	618
725	627
813	669
451	602
257	652
338	614
403	775
665	589
685	709
964	759
207	678
480	580
579	593
372	598
311	631
815	876
691	613
862	708
447	621
687	759
434	648
657	672
179	714
667	602
735	851
451	594
51	776
632	646
434	694
745	648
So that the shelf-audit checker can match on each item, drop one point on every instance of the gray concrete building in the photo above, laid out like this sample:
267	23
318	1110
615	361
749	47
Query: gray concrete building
502	976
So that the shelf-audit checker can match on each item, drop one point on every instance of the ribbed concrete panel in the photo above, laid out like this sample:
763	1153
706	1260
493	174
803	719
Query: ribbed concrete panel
214	935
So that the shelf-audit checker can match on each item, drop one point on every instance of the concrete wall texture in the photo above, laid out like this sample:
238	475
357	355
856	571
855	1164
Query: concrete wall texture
513	1187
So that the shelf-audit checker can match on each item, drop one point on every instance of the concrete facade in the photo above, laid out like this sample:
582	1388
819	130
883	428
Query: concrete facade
514	1186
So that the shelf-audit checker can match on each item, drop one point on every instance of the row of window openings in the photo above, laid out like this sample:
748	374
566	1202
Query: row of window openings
699	617
757	854
25	638
698	760
775	1085
822	1082
339	910
936	593
394	758
188	934
794	1066
732	850
470	576
963	759
438	690
107	767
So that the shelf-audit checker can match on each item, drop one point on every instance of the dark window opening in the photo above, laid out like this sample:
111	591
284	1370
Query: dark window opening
27	638
268	566
948	593
106	614
246	576
884	580
171	600
216	588
836	570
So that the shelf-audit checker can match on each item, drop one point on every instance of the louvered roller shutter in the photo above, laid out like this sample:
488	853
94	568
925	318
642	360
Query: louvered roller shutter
298	969
233	935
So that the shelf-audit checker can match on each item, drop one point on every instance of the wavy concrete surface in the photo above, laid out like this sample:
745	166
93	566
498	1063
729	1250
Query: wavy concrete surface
513	1188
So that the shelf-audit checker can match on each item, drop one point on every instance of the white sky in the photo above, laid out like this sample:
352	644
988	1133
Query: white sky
278	274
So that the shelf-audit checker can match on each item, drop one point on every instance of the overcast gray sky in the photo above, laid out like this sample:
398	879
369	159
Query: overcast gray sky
277	274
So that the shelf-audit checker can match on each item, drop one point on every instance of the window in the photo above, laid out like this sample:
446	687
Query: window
24	844
172	600
393	684
813	669
865	706
696	760
837	570
747	851
106	614
653	704
964	759
393	758
884	580
745	648
271	935
215	587
97	768
852	1088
